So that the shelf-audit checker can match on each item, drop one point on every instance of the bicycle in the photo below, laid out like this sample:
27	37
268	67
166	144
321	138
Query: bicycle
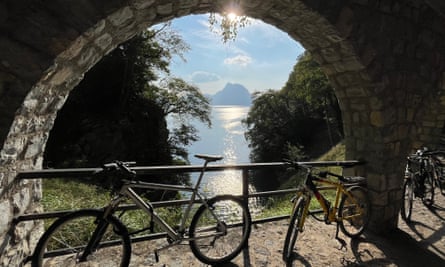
423	172
350	209
217	233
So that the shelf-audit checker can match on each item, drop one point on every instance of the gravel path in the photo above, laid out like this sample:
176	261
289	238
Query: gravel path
422	243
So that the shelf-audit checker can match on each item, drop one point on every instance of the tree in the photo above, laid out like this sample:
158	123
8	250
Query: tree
292	123
183	102
308	83
118	111
106	117
228	23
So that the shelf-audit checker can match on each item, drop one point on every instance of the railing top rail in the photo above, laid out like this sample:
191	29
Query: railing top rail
141	170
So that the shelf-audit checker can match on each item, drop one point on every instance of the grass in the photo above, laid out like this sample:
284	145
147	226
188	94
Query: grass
70	194
67	194
282	205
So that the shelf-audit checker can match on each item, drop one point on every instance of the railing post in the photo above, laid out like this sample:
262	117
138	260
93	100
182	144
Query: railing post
246	187
246	254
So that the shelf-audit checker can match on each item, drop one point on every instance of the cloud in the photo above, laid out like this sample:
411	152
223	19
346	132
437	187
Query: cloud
241	60
204	77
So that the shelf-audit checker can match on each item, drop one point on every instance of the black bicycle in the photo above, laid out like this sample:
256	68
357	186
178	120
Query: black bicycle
423	173
217	232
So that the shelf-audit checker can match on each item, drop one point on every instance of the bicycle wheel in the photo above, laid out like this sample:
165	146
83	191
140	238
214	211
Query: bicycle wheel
64	243
354	212
215	241
428	196
295	226
408	197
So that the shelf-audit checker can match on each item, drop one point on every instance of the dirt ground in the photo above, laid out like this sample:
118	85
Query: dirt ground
421	243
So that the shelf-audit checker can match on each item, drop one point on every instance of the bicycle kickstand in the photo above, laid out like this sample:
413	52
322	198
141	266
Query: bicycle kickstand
156	251
340	240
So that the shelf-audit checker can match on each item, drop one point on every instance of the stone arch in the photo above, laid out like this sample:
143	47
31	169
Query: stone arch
384	60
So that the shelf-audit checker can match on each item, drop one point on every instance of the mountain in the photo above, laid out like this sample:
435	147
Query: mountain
232	94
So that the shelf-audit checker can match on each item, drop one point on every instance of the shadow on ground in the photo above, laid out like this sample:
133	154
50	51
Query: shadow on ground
418	243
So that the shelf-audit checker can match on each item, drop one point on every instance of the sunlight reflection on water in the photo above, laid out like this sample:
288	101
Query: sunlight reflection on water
226	138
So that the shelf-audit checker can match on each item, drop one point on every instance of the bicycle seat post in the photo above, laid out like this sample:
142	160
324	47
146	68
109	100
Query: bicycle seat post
201	174
207	159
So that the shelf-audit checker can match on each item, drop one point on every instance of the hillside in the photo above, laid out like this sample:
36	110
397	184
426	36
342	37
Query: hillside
232	94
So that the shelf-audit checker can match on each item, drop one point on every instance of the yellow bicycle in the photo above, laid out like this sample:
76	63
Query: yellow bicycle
350	208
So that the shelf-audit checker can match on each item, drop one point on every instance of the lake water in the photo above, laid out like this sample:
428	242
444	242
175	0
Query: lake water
225	138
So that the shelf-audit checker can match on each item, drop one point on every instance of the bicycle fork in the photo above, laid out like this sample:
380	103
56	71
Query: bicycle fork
102	225
94	242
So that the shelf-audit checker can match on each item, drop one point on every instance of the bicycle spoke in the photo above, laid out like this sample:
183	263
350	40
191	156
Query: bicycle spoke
65	241
219	232
354	211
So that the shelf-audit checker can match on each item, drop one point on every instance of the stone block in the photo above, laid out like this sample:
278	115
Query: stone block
121	17
142	4
376	118
88	57
61	75
165	9
6	216
377	183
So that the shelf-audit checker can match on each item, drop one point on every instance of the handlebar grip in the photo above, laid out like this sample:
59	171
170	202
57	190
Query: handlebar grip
118	166
109	166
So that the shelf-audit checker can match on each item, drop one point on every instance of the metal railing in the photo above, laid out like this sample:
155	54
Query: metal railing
159	170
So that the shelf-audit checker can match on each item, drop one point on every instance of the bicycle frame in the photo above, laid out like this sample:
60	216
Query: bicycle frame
349	212
127	190
208	232
311	189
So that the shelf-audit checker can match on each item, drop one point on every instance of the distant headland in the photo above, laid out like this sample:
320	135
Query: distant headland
232	94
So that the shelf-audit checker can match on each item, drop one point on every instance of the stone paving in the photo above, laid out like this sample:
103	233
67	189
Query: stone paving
422	243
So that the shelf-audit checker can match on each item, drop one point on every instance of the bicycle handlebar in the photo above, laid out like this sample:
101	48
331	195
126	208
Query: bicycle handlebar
309	165
426	152
120	167
324	174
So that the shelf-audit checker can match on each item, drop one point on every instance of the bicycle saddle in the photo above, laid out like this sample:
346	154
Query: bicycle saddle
209	158
355	179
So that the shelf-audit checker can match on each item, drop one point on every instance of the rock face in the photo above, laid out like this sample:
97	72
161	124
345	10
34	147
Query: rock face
232	94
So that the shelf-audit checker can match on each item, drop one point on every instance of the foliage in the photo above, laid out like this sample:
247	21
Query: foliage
227	24
183	102
67	194
119	112
281	205
308	83
292	123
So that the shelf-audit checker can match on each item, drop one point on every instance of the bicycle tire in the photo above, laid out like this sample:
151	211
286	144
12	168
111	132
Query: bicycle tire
295	225
231	235
408	197
354	213
73	231
428	196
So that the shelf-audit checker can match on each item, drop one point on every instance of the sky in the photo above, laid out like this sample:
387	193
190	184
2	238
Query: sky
260	58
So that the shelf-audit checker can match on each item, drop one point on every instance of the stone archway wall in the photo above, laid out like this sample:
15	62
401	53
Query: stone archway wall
384	58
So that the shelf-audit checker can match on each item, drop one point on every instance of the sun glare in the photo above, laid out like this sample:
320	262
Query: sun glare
232	16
